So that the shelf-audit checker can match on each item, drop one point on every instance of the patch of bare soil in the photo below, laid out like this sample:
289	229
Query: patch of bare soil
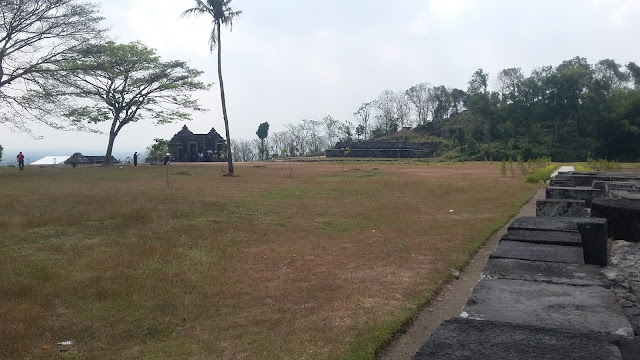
451	299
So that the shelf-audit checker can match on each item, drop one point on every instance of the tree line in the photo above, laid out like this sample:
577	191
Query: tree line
569	112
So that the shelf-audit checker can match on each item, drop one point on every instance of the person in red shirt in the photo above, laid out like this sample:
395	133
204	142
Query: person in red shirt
20	158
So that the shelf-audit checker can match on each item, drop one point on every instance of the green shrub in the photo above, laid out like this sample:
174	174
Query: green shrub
603	165
503	168
539	169
540	174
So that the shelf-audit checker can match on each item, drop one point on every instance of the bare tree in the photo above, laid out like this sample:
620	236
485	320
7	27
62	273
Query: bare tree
245	150
402	109
386	117
419	95
35	35
363	115
298	139
280	142
316	142
331	129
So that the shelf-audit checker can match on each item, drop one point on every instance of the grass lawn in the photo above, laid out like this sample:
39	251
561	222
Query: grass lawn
326	264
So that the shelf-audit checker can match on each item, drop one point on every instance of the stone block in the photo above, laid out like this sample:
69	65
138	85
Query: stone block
562	183
595	241
576	308
573	193
561	207
540	223
620	185
623	216
464	339
555	273
538	252
549	237
630	348
624	194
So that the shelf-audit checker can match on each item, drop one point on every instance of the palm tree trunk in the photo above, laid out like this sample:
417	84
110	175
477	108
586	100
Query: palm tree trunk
224	104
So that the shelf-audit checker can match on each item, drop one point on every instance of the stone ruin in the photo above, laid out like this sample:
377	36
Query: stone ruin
88	159
564	284
379	149
187	146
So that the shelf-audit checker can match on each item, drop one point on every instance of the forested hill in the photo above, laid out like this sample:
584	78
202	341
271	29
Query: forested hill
569	112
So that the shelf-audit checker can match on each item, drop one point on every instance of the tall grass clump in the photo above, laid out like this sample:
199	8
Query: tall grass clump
603	165
539	169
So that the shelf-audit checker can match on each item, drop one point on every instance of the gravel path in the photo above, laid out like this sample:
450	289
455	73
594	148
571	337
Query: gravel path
451	299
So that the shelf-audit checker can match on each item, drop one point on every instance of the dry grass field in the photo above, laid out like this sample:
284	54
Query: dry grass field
325	264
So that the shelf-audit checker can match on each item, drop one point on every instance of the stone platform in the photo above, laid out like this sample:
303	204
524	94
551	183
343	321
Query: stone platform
550	290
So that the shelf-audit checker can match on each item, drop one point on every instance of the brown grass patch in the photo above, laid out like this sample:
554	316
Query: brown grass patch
325	264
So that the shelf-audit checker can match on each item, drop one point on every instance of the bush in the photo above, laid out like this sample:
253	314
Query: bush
540	174
603	165
539	169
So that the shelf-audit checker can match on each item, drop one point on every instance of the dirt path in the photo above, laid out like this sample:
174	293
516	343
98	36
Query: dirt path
451	299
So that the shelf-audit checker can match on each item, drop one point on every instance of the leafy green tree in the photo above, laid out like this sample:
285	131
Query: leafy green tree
263	132
634	73
157	150
125	83
221	14
35	35
478	82
345	131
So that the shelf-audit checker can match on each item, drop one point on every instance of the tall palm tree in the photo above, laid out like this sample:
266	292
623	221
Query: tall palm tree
222	14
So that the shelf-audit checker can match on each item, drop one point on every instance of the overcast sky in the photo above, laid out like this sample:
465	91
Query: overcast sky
288	60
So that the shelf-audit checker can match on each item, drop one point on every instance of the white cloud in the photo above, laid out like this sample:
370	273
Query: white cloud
450	8
624	11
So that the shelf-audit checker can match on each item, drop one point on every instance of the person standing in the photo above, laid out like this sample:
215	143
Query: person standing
20	158
74	161
135	158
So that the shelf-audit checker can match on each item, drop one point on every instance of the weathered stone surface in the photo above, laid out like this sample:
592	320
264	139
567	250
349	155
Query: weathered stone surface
588	178
624	274
621	185
623	216
463	339
555	273
624	194
539	223
562	183
538	252
544	237
595	242
561	207
577	308
630	348
573	193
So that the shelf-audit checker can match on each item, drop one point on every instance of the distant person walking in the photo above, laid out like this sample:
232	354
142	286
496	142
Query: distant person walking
74	161
20	159
135	158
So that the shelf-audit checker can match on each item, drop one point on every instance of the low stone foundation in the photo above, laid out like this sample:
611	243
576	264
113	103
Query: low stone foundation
554	288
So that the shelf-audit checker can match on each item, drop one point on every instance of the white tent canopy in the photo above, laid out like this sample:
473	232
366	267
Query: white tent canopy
51	160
